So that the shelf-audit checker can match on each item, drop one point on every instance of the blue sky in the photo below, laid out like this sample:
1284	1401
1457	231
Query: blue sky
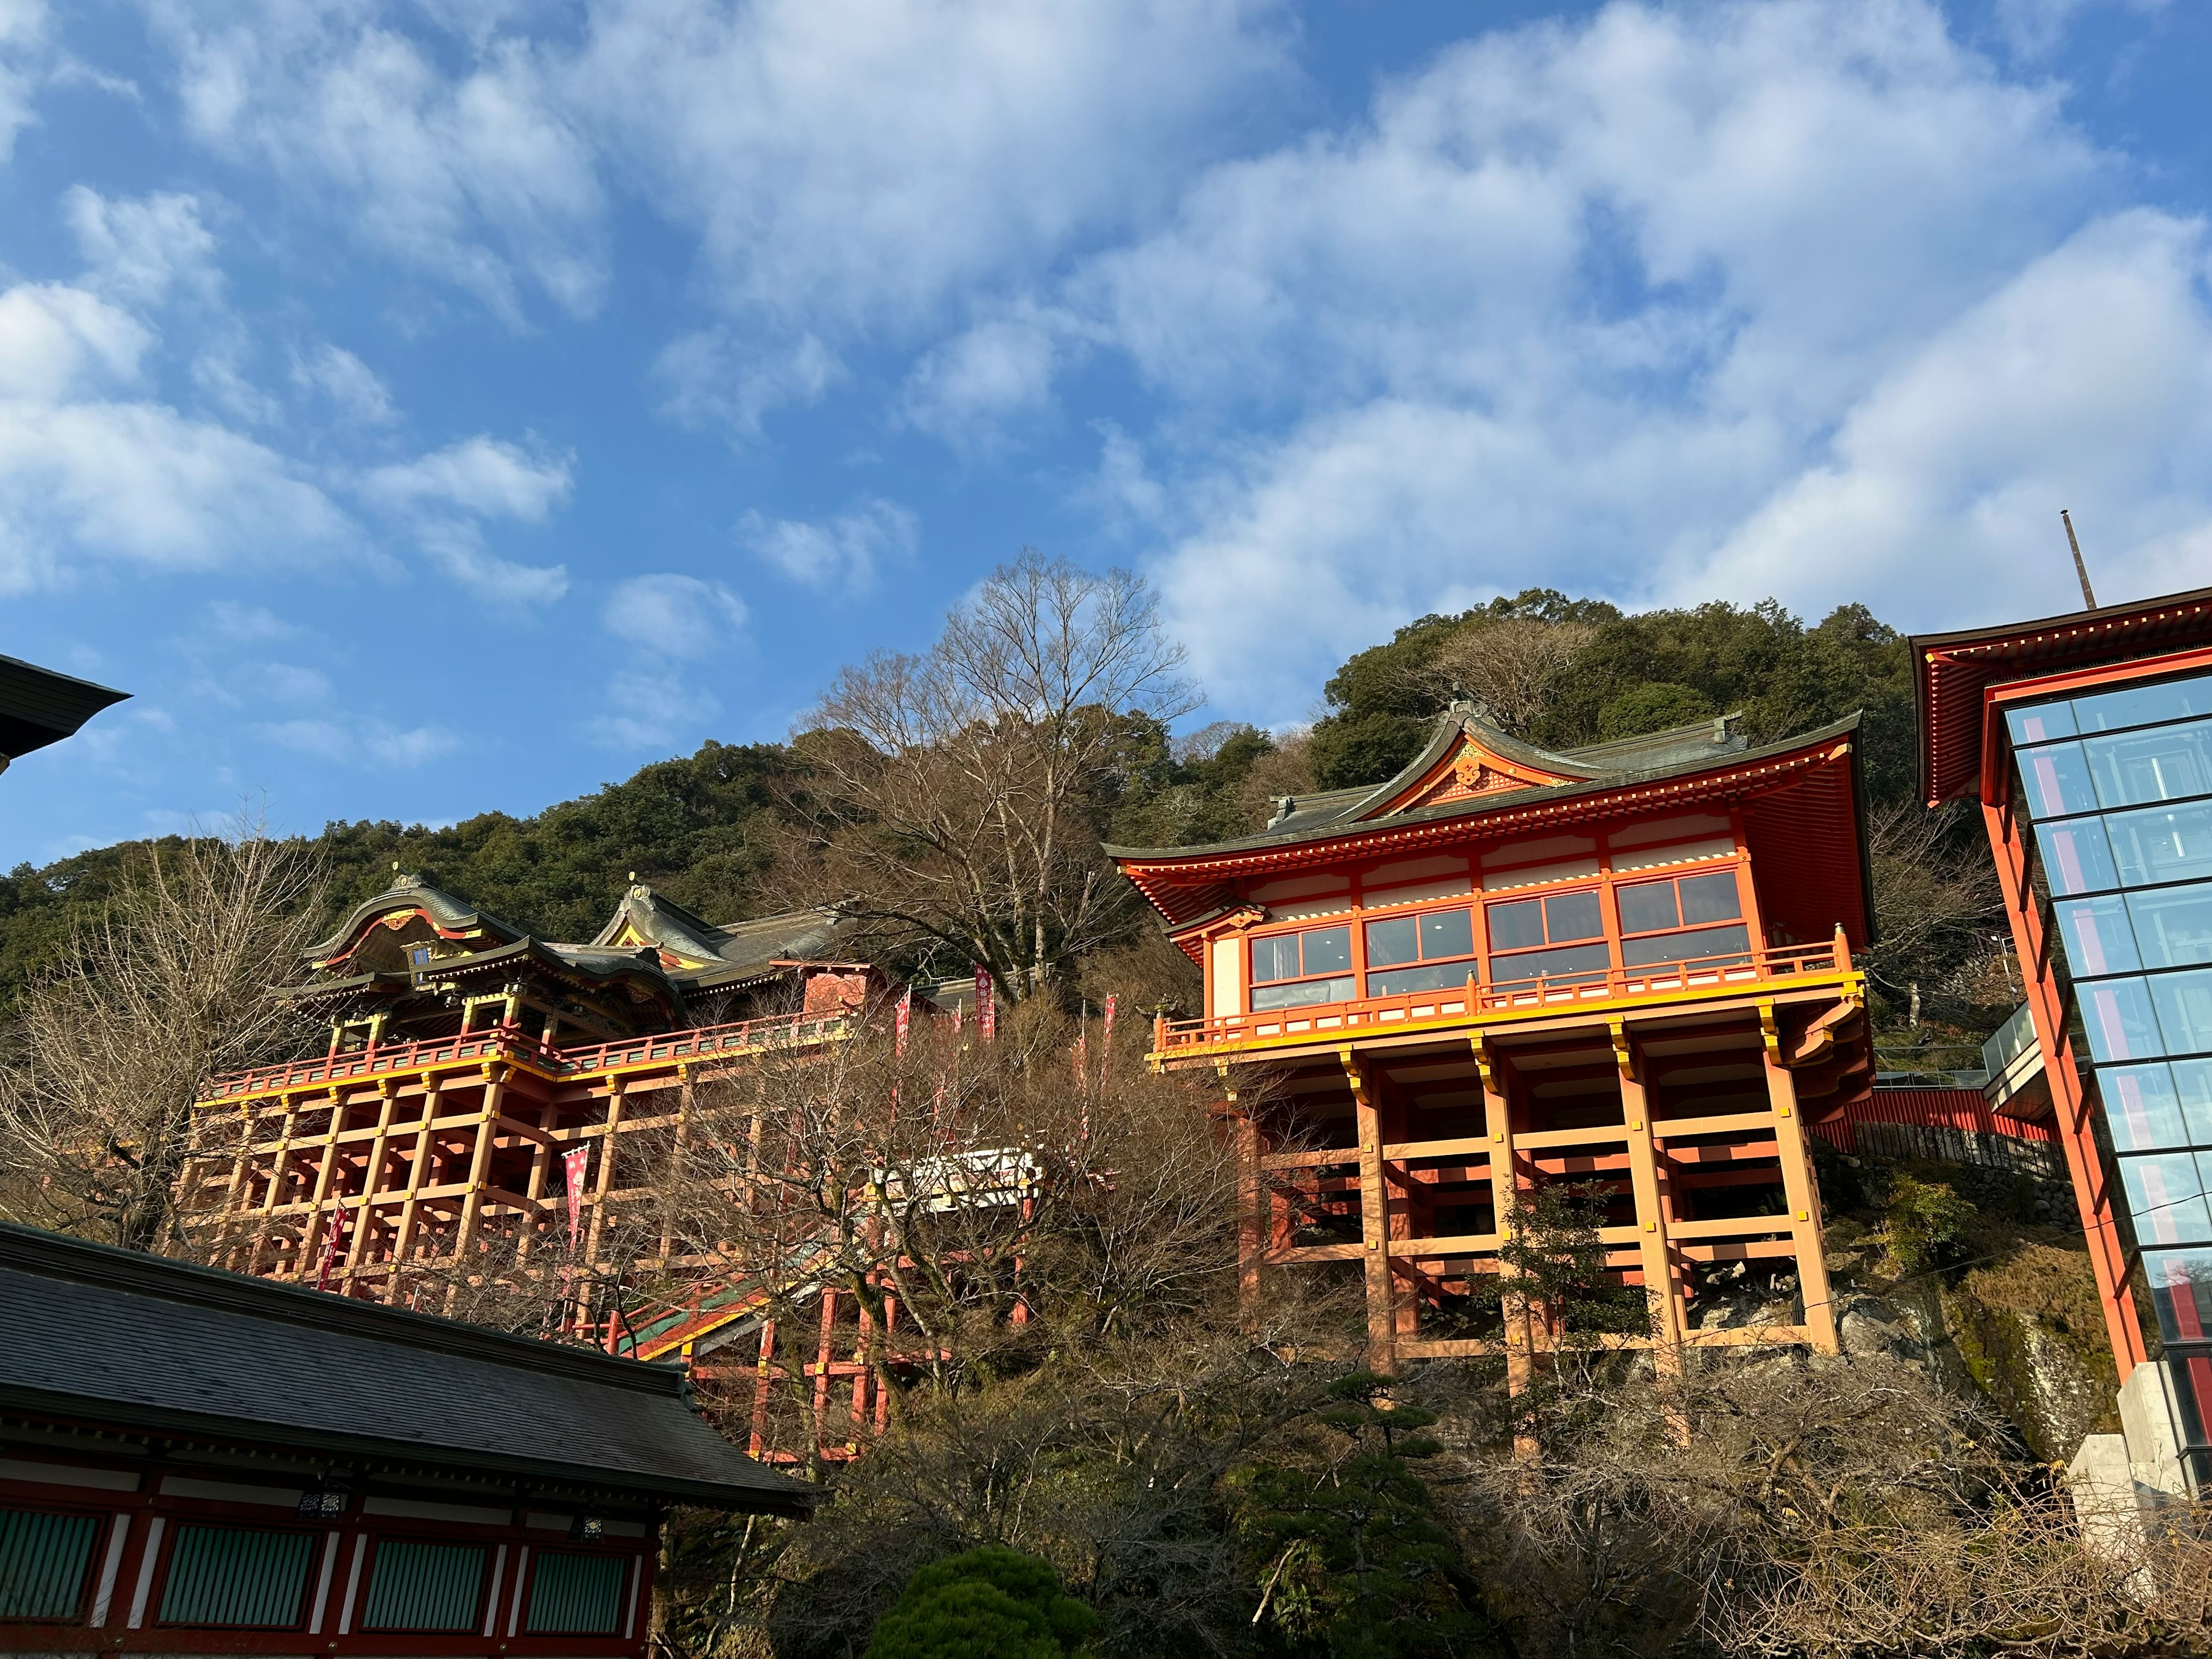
429	408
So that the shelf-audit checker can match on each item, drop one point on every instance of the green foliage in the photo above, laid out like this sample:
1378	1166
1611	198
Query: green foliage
1178	793
1653	705
1345	1546
988	1603
1640	673
702	829
1920	1219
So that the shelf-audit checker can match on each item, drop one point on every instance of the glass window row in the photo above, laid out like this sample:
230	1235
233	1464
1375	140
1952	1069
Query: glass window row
2091	774
2162	1015
1559	937
2150	848
2112	711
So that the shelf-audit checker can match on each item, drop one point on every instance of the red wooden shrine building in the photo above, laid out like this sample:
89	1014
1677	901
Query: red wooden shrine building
1507	968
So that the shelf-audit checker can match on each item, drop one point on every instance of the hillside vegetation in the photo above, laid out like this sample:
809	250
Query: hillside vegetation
728	831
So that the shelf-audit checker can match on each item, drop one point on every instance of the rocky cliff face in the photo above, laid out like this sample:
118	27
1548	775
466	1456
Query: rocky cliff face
2015	1322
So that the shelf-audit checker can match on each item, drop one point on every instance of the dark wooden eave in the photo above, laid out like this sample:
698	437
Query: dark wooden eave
39	707
1952	672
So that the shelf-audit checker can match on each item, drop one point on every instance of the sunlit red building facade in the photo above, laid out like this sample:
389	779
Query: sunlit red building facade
2085	742
1627	965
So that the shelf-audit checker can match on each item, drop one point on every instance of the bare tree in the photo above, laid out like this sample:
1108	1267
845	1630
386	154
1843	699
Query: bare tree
1511	669
1843	1508
992	1191
958	790
176	980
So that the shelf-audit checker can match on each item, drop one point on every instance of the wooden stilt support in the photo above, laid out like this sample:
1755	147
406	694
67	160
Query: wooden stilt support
1660	1288
472	1201
1799	1190
403	1242
1374	1218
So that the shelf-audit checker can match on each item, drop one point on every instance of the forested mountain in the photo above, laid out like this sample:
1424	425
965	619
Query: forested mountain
709	829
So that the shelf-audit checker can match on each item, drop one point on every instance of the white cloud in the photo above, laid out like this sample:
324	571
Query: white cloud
2085	383
472	175
140	485
290	682
370	743
849	166
58	342
25	50
138	250
445	496
456	546
967	390
482	475
840	553
1632	306
681	618
648	710
350	385
248	624
715	376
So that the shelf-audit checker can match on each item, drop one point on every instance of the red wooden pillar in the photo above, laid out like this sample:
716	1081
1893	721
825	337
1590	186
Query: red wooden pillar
2068	1100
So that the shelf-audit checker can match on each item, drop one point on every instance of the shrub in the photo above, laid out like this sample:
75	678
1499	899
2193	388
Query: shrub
988	1603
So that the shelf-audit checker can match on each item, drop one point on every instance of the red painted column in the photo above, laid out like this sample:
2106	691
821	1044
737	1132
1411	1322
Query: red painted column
2069	1102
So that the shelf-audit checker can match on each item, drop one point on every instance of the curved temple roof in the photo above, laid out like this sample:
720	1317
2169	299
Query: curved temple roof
1472	780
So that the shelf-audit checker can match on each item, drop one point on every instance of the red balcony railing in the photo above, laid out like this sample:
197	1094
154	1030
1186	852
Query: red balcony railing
508	1044
1474	1000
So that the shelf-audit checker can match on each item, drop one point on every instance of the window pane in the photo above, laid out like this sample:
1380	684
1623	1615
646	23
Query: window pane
576	1594
2097	938
2057	781
2040	725
44	1560
1329	949
1396	940
2193	1081
2118	1015
1303	995
2076	859
2185	1011
2173	927
1276	957
2166	1198
1575	963
1447	933
1710	898
2165	763
1648	908
2181	1286
1516	925
1572	916
2142	1108
1437	977
1698	945
424	1587
2174	844
229	1576
2141	705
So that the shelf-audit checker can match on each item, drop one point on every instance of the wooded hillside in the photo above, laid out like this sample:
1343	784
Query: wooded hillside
718	830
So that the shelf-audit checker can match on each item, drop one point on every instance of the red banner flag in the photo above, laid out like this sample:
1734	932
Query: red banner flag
1106	1042
987	1007
574	1164
331	1248
905	1017
1082	1074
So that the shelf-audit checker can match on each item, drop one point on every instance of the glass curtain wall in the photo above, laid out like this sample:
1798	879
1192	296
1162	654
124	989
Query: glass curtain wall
2118	786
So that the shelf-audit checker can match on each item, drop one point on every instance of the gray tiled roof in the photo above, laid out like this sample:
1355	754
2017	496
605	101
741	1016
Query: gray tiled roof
1601	766
142	1344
